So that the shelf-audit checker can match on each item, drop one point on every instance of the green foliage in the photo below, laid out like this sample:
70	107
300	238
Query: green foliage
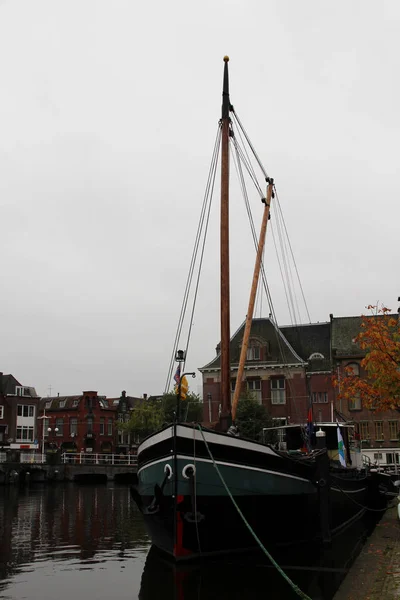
150	415
191	409
145	418
251	418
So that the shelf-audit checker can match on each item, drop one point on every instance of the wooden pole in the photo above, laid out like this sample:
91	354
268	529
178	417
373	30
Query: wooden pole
253	292
224	257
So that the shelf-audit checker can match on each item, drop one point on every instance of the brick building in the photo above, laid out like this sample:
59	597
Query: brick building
78	423
18	415
284	367
289	367
377	431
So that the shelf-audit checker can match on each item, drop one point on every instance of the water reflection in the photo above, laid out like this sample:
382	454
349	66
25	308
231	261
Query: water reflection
82	528
61	541
315	573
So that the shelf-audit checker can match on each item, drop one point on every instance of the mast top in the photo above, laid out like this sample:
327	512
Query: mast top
225	93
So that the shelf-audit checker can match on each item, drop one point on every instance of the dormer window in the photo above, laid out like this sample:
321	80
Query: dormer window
62	403
48	404
75	403
253	352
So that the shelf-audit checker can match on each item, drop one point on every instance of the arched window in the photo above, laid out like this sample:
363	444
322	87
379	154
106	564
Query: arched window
253	351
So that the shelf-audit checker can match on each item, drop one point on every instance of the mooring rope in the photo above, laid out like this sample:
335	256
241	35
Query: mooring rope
295	588
358	503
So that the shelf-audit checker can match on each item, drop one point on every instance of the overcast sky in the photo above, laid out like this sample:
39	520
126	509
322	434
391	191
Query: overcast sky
108	114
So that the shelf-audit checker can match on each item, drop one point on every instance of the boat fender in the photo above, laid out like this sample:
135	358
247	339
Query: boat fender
168	471
188	471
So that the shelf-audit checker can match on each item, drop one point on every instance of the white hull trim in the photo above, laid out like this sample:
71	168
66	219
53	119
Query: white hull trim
223	464
211	438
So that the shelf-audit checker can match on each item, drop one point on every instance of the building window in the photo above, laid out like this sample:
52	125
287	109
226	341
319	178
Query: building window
60	426
1	412
355	403
278	391
73	426
75	403
24	434
62	403
102	426
352	369
379	430
392	458
22	391
364	430
48	404
109	427
320	397
393	430
377	455
253	352
90	424
25	410
254	387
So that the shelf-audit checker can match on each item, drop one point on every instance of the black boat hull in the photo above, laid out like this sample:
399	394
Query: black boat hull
188	511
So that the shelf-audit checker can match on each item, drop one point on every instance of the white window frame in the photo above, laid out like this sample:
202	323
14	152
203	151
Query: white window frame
278	393
62	403
29	433
1	412
396	423
109	427
102	425
73	426
377	425
254	387
28	408
253	352
364	424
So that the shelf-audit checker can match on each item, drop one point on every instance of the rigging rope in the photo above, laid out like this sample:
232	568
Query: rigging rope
292	254
206	201
294	587
242	182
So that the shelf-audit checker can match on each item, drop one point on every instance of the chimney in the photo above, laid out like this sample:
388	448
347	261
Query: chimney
145	396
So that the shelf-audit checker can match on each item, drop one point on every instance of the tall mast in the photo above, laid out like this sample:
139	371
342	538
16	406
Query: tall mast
253	292
225	300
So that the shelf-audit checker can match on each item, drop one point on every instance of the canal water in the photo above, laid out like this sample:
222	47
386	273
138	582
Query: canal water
71	542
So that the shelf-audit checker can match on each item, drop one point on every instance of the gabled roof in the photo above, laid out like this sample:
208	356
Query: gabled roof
8	383
312	343
264	330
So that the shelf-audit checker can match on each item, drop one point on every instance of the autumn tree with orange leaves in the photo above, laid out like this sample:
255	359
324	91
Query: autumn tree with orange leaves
380	339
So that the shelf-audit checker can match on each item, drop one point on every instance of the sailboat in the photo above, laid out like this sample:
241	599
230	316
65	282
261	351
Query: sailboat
206	491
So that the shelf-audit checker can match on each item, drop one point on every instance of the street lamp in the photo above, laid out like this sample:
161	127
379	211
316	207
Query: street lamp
178	397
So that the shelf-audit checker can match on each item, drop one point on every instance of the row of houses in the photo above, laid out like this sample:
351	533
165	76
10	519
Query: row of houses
82	423
287	368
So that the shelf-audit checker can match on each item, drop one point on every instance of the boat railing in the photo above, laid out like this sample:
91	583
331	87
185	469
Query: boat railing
86	458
